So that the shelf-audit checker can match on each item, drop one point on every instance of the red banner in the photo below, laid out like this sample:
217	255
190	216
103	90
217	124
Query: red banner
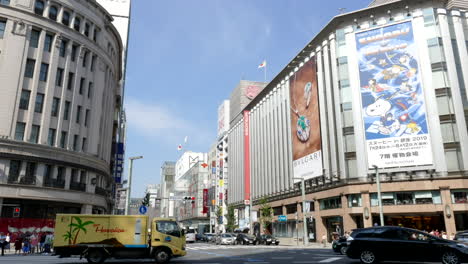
246	155
25	226
205	201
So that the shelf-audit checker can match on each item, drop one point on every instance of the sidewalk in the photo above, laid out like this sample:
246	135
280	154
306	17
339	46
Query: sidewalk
293	242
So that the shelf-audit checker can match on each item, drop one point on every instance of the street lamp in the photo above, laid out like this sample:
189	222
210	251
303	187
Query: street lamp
127	199
304	224
379	195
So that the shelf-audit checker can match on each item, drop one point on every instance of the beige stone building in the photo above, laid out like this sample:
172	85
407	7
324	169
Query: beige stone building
60	98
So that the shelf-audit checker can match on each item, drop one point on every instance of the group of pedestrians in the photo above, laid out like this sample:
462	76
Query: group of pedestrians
442	234
27	244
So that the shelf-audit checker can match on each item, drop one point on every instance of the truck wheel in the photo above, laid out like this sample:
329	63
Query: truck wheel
96	256
162	256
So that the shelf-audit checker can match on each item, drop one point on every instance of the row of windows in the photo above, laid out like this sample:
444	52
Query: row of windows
24	105
34	137
39	8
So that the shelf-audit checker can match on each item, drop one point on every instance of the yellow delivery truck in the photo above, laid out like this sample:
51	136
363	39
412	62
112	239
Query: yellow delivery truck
98	237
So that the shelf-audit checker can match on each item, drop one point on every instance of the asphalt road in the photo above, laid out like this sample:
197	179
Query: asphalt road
201	253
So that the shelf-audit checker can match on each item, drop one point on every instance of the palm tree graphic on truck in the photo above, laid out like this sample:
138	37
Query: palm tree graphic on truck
77	227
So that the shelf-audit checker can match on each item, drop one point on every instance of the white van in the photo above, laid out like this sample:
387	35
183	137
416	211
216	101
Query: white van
190	234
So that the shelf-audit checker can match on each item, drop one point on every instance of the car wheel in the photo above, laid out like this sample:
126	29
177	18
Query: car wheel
368	257
343	250
96	256
162	256
450	257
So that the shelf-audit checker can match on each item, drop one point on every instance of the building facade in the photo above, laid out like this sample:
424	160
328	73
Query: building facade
167	188
378	92
60	67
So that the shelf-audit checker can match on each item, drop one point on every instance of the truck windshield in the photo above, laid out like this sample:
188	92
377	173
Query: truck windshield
168	227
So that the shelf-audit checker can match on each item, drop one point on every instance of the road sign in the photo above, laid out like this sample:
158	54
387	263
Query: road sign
282	218
143	209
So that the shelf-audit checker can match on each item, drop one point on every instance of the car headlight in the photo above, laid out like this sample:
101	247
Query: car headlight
246	239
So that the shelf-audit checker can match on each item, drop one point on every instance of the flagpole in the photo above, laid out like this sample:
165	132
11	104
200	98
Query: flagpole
265	72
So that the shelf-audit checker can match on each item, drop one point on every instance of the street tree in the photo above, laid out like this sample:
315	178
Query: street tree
231	219
265	214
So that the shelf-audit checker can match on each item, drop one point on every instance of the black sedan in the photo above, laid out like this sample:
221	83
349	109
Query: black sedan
267	240
246	239
374	244
340	245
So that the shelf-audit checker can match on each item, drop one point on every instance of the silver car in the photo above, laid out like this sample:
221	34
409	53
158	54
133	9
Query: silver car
225	239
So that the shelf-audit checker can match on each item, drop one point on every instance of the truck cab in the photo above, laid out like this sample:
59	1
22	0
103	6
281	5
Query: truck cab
167	239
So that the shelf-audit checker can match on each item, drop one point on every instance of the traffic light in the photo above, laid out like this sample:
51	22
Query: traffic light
189	198
16	212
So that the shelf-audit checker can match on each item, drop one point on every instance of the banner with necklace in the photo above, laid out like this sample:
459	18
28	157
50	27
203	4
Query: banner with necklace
305	122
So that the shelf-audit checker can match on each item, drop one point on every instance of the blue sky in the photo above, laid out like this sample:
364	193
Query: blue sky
186	56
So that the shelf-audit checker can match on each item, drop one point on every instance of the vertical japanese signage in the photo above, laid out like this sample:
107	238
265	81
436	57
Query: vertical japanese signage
393	105
119	160
305	122
205	201
246	156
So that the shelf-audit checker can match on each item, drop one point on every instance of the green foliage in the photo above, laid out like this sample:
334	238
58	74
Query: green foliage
265	213
231	219
146	200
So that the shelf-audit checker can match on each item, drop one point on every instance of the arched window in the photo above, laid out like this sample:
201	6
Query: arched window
53	13
66	18
77	24
39	7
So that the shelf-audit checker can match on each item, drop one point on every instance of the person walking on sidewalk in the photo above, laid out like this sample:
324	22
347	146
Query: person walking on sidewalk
18	243
2	242
42	242
7	241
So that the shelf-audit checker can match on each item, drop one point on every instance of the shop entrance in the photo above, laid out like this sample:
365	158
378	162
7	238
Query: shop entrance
334	225
461	221
420	222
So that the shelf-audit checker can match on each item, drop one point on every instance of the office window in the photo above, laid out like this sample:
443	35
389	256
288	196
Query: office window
66	111
59	77
74	175
97	31
55	106
34	38
39	103
2	28
34	137
85	59
24	99
19	131
39	7
83	177
51	137
14	170
73	52
70	81
48	42
44	72
354	200
86	29
63	48
90	89
60	174
84	144
29	71
4	2
82	82
86	118
330	203
77	24
75	142
53	11
93	63
78	114
63	139
66	18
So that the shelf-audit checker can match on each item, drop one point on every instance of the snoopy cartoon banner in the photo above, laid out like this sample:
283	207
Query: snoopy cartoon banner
393	106
305	122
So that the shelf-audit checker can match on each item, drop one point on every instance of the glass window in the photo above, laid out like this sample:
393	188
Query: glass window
436	197
78	114
71	80
34	38
85	59
51	137
168	227
278	210
460	196
14	170
39	7
29	71
348	118
83	177
82	82
63	139
53	13
84	144
439	79
90	89
388	198
429	19
60	174
59	77
354	200
66	18
19	131
330	203
2	28
63	48
44	72
436	53
55	106
34	137
48	42
66	111
423	197
403	198
93	62
24	100
75	142
77	24
74	175
73	52
291	208
39	103
4	2
349	143
96	33
86	118
86	29
451	157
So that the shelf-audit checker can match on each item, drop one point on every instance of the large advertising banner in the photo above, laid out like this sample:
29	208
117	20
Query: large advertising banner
393	106
305	122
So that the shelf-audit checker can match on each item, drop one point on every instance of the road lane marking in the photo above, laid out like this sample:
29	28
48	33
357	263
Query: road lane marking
330	260
282	257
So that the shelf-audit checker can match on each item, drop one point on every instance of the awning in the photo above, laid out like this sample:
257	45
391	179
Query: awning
387	196
423	195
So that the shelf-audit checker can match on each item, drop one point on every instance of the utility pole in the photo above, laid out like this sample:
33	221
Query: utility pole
127	198
379	195
304	224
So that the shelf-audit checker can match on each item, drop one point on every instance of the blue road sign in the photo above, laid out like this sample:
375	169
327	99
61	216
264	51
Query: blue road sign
143	209
282	218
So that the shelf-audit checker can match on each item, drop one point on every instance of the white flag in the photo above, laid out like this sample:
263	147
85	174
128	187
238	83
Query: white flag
185	139
263	64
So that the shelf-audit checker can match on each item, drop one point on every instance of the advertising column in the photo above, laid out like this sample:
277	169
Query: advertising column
305	122
393	105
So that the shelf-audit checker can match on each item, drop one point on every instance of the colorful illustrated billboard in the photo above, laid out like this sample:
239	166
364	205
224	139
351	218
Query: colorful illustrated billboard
393	105
305	122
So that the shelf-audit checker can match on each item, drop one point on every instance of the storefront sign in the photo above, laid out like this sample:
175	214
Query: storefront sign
305	122
119	160
393	105
205	201
282	218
